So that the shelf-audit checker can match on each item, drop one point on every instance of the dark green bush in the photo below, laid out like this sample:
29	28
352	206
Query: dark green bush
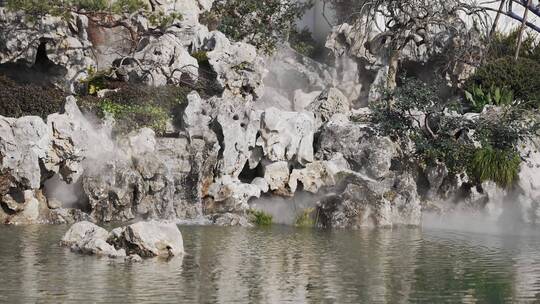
442	138
521	77
303	42
18	100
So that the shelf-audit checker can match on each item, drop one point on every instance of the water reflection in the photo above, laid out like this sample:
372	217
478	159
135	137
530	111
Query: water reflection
280	264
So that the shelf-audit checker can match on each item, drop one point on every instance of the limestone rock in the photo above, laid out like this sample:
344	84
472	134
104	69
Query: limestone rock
364	150
239	70
329	103
163	60
277	176
362	202
287	135
88	238
66	43
318	174
23	142
230	195
231	219
149	239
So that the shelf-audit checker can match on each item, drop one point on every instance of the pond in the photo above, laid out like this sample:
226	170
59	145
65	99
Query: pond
280	264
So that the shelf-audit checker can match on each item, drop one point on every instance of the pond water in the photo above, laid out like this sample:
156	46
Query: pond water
279	265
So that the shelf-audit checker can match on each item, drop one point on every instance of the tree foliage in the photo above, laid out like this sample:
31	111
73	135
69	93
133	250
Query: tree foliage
39	8
261	23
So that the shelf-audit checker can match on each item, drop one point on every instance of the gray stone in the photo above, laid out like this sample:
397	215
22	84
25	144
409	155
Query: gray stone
359	144
149	239
330	102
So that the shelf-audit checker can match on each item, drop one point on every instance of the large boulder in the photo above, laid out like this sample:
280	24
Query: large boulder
146	239
330	102
150	239
23	142
88	238
240	71
228	194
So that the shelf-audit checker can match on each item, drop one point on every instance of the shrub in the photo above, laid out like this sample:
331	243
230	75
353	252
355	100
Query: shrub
18	100
136	106
499	166
37	8
479	98
260	218
303	42
521	77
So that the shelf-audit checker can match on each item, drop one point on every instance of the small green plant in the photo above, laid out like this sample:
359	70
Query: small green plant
131	117
201	56
260	218
96	81
497	165
306	219
479	98
522	77
162	20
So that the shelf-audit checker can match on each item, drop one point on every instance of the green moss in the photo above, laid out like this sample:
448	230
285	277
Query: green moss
201	56
131	117
306	219
499	166
260	218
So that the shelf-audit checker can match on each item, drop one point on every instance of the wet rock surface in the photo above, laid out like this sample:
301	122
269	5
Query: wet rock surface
142	239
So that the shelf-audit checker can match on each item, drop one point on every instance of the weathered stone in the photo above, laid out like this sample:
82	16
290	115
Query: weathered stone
318	174
328	103
359	144
363	202
277	176
163	60
239	70
231	219
230	195
23	142
287	135
149	239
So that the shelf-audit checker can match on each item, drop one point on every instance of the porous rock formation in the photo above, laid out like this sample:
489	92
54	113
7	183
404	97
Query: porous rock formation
228	150
142	239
